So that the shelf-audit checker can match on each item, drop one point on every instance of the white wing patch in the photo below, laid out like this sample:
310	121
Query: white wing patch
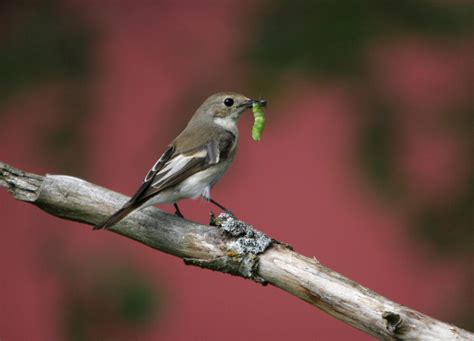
153	169
175	165
165	156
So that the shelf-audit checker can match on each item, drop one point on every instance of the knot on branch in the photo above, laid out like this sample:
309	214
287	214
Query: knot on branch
243	245
394	322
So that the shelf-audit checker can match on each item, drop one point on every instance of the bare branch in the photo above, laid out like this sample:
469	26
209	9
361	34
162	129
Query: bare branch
233	247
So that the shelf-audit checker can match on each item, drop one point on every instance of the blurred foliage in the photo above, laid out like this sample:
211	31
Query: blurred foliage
63	144
329	38
376	149
41	43
450	228
110	301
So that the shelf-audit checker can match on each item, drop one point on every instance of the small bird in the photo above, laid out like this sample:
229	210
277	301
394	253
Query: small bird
195	160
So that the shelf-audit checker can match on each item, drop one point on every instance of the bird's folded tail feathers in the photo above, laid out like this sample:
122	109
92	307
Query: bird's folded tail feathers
128	208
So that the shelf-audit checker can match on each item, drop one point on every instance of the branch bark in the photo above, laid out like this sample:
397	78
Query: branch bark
234	247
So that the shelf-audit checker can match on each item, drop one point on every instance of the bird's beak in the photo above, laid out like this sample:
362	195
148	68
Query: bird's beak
249	103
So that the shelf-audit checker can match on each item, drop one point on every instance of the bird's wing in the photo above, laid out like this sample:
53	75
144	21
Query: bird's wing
173	168
137	200
164	158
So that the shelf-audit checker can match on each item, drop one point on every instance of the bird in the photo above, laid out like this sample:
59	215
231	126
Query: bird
195	160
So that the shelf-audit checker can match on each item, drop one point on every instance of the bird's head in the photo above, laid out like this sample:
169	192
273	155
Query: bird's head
225	108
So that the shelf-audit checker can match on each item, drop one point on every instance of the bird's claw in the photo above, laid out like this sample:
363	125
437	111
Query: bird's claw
212	219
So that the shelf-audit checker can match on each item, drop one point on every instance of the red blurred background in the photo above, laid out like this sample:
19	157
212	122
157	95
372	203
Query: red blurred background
365	164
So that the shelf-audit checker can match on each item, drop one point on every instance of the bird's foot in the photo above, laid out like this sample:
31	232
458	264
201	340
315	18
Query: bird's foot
212	219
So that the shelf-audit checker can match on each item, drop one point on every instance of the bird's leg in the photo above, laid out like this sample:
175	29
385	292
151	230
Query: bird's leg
177	212
220	206
212	219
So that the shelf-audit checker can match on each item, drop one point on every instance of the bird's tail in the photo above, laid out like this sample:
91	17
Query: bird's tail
128	208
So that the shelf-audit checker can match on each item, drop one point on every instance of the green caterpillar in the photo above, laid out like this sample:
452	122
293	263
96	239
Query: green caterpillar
259	121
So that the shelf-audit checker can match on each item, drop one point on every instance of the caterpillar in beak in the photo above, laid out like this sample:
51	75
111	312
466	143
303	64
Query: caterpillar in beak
259	121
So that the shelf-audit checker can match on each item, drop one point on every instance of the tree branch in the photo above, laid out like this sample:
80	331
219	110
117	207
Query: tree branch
234	247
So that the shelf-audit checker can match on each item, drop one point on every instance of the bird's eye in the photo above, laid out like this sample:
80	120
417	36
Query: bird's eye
229	102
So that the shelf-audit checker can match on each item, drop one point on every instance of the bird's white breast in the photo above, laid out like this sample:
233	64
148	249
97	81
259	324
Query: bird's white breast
228	123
